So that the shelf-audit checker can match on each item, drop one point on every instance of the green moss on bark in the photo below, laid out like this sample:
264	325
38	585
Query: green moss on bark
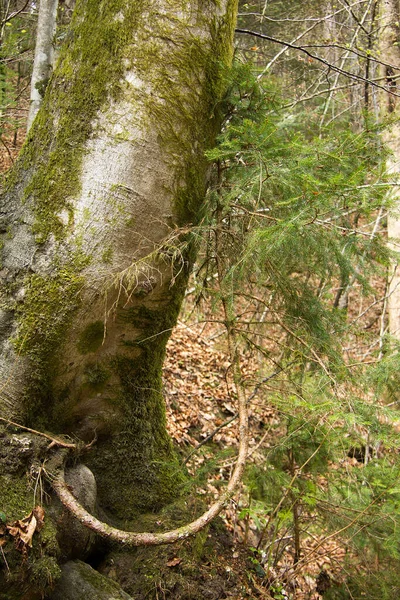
96	375
189	81
88	76
137	469
49	304
91	338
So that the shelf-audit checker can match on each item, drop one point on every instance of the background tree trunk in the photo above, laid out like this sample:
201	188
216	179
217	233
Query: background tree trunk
389	43
93	268
44	55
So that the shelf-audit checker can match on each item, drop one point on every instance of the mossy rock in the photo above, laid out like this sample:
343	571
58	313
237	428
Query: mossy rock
33	575
79	580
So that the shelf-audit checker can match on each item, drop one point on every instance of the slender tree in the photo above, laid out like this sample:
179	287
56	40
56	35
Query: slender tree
44	54
389	35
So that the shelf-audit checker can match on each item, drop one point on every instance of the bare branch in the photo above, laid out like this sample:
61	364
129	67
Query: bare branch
317	58
54	441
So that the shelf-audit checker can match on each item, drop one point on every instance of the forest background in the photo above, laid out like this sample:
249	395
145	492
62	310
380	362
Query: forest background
294	240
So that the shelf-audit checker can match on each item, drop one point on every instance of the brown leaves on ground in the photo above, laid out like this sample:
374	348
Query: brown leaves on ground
23	530
198	390
200	397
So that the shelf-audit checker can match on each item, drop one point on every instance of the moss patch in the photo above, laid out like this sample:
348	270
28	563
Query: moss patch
16	500
49	305
151	475
91	337
44	574
189	80
38	570
89	74
96	375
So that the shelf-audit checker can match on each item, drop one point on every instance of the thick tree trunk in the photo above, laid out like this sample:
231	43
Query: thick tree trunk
93	270
389	46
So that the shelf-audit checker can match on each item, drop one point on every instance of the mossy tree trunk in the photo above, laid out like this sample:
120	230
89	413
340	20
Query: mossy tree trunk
93	271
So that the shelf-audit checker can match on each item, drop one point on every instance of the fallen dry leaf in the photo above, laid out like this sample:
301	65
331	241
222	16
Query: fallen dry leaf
23	530
174	562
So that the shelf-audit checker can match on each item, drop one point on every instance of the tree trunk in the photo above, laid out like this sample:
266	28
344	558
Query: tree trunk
389	45
95	257
44	55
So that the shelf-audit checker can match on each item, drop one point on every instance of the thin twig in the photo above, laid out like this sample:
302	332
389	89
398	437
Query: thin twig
54	441
5	560
228	421
317	58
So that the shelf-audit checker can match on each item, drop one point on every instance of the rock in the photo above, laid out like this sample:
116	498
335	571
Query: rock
17	452
79	581
83	484
74	539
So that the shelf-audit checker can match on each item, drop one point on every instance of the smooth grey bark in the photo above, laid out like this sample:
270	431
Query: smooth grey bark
44	55
94	258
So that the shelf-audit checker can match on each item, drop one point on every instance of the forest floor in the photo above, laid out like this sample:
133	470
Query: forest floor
201	406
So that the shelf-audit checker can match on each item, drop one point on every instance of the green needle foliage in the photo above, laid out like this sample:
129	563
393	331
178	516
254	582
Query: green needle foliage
293	208
295	231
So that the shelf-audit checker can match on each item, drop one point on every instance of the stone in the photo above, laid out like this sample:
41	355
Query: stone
80	581
74	539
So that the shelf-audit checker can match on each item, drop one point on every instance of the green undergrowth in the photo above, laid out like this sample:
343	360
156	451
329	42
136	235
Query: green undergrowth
295	212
